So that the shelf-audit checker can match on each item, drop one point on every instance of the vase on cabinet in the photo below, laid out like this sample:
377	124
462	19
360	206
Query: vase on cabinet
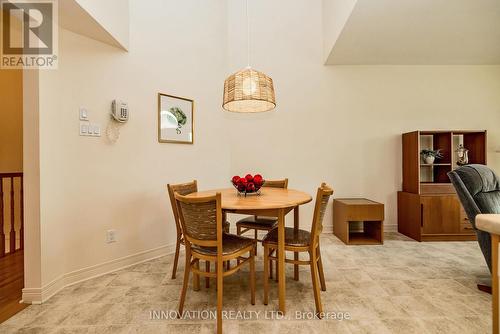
429	159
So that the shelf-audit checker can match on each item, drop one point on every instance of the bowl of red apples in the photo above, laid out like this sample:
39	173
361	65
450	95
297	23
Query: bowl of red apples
248	184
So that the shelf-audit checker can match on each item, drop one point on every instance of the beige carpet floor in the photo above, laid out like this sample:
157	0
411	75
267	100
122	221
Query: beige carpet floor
400	287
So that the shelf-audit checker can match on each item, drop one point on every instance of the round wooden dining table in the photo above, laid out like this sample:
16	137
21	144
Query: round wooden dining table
272	202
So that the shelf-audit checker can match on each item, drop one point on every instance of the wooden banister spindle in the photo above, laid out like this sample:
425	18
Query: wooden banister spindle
2	235
12	235
21	231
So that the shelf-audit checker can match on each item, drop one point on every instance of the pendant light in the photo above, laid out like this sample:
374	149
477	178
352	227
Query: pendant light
248	90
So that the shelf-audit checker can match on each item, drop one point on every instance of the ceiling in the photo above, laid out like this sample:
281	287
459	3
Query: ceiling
420	32
74	15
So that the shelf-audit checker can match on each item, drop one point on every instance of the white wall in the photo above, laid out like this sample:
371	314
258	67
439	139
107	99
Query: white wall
113	15
336	124
423	32
89	185
31	169
343	124
335	14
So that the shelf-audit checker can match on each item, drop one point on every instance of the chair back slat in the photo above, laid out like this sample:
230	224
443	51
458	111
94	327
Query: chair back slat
201	219
183	189
276	183
322	197
283	184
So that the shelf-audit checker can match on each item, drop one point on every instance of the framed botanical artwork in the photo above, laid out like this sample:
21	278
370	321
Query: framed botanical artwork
175	119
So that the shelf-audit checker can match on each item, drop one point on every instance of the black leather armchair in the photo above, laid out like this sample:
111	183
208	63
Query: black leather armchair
478	188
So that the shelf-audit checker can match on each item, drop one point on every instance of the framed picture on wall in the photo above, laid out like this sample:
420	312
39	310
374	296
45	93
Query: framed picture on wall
175	119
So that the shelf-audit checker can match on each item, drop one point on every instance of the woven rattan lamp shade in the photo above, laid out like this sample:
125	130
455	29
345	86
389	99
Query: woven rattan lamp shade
248	91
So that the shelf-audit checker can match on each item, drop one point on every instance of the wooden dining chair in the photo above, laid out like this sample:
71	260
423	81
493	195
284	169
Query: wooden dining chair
201	220
260	223
301	241
184	189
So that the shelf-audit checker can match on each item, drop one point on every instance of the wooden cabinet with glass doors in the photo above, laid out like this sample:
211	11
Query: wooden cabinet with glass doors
428	207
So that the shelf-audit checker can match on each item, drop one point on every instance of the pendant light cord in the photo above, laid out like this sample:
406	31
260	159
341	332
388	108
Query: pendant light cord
248	34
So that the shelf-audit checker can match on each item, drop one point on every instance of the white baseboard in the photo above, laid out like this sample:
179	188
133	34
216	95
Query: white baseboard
390	228
40	295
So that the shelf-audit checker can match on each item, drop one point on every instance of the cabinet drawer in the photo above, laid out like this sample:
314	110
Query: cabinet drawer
465	225
463	215
436	188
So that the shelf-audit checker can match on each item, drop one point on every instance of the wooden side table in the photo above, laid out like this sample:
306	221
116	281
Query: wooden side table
350	211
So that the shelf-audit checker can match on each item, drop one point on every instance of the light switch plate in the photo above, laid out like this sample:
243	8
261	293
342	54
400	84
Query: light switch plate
84	114
97	130
84	129
90	129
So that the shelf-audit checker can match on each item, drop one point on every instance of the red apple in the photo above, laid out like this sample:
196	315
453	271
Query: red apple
241	187
243	181
257	179
250	187
249	177
235	179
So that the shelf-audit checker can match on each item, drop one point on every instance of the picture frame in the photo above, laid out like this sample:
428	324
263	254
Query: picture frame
175	119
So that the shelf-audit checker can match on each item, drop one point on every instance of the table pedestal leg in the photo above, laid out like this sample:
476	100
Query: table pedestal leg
296	254
281	260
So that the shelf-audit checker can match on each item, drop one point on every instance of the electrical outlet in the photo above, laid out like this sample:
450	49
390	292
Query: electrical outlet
111	236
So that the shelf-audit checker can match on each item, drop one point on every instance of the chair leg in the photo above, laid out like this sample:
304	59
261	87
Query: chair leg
314	278
207	279
276	265
238	232
296	266
219	295
196	277
252	276
270	269
187	269
255	237
228	264
320	270
176	257
267	265
484	288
